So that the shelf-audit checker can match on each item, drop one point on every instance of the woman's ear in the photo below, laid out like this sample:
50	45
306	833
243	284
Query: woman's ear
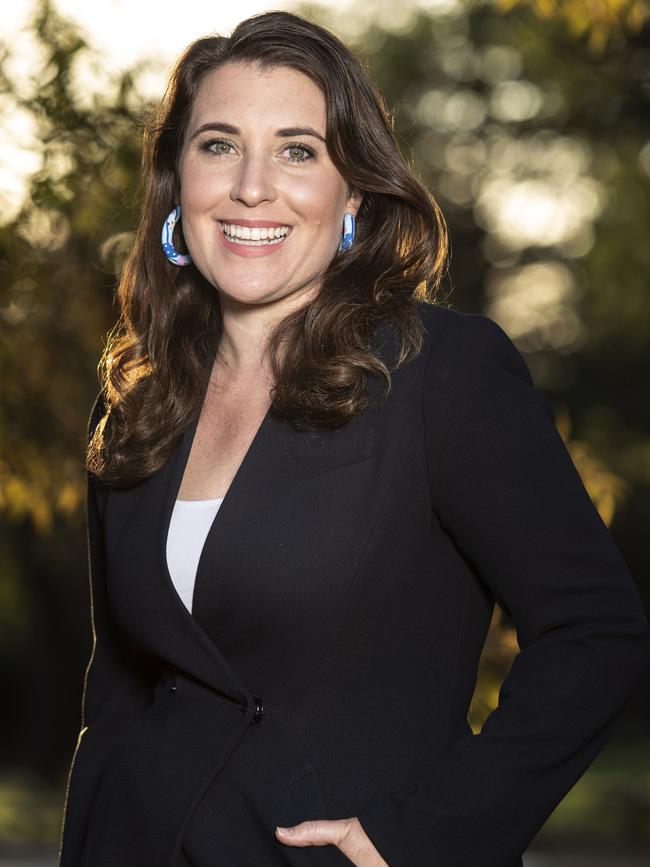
354	201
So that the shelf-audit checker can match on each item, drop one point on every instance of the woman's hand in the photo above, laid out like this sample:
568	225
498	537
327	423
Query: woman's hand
347	834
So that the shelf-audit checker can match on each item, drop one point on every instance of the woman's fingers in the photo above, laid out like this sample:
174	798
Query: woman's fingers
315	832
347	834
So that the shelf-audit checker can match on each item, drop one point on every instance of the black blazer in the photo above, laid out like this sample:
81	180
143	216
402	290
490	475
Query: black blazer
342	600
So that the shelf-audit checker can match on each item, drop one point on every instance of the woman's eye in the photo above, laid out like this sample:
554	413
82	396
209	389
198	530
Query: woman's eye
299	153
214	146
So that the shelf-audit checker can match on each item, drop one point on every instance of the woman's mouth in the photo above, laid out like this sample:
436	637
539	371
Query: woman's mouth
258	236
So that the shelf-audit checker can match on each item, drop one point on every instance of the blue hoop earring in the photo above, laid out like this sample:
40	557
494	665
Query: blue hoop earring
169	250
349	228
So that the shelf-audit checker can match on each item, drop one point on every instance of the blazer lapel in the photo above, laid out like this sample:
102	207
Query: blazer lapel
241	546
143	600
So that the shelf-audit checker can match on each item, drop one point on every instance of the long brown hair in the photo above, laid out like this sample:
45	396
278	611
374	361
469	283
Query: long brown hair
159	355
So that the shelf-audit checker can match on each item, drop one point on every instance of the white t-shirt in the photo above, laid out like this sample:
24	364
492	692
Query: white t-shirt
189	526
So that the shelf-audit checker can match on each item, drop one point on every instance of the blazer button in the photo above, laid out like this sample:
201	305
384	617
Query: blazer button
259	709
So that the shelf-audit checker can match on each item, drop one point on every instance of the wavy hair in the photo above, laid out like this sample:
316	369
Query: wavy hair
159	355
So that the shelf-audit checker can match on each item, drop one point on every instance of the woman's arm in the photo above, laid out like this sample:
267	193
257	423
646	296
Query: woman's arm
116	684
505	488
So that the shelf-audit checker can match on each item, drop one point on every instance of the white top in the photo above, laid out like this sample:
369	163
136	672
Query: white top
190	524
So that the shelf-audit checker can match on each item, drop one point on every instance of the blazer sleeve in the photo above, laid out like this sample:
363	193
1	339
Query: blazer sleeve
505	488
116	685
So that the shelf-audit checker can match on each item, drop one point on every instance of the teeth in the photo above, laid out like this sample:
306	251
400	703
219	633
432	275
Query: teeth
265	234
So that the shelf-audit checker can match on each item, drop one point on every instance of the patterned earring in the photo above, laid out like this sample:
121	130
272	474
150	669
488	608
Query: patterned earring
169	250
349	226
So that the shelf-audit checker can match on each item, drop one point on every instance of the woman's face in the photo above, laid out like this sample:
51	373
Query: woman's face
254	157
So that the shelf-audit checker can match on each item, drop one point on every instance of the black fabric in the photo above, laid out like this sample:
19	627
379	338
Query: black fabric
348	581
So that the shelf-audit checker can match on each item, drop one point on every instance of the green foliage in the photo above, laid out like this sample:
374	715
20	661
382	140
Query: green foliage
599	20
57	293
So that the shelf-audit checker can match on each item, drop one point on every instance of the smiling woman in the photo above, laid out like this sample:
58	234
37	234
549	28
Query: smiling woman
261	170
308	485
277	127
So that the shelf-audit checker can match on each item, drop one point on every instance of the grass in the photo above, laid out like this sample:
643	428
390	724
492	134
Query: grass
609	806
29	811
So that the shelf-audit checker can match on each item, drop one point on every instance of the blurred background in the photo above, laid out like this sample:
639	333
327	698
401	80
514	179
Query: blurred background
530	122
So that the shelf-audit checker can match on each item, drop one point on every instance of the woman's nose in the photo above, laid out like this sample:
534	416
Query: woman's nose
253	182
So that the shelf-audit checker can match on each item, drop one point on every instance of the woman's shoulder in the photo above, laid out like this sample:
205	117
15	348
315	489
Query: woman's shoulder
469	339
456	342
437	317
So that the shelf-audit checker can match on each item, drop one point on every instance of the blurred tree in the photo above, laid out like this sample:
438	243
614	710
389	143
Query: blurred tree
601	20
58	257
57	296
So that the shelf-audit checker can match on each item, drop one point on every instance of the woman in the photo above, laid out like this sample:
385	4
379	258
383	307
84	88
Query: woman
308	484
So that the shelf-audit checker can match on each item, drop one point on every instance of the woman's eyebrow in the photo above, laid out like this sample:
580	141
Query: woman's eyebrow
285	132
